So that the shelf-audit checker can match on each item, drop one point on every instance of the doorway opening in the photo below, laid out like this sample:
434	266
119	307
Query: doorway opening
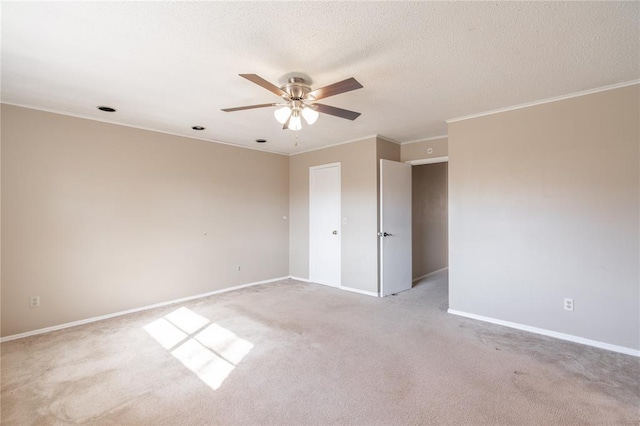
430	218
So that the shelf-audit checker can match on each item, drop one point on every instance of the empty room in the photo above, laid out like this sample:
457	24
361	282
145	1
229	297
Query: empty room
320	213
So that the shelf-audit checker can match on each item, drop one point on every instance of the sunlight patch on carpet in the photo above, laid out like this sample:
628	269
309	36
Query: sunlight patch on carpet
207	349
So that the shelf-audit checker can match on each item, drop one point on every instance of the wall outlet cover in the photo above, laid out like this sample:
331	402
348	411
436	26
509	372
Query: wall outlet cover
34	302
568	304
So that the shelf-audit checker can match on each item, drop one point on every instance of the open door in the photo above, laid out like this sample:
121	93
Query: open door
395	227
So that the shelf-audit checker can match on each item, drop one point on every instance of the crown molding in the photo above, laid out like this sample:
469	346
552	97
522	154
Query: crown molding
384	138
332	145
85	117
545	101
432	138
347	142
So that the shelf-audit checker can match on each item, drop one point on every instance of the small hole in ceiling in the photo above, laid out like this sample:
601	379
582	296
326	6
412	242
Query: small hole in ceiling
261	140
106	109
198	128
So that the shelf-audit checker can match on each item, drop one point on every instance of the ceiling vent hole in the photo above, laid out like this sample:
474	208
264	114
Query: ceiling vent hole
261	140
198	128
106	109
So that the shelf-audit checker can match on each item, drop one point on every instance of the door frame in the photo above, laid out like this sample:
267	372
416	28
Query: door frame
431	160
422	162
319	167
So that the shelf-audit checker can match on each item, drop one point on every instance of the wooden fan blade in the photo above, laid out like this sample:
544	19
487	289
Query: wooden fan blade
264	83
335	89
248	107
338	112
285	126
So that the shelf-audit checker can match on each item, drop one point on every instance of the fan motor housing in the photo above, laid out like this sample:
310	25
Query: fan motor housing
296	88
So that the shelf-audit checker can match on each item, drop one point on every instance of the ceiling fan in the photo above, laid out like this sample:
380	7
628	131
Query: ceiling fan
300	100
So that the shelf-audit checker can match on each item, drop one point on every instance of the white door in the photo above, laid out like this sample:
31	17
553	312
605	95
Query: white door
324	224
395	227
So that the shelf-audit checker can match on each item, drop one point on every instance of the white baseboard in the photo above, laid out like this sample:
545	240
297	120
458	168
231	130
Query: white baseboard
355	290
130	311
550	333
430	274
304	280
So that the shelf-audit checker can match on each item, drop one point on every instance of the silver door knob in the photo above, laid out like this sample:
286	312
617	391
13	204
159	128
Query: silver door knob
335	232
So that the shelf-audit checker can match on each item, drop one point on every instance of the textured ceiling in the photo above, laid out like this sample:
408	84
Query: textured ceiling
167	66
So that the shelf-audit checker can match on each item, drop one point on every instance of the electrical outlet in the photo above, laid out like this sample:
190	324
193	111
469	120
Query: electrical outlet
568	304
34	302
238	268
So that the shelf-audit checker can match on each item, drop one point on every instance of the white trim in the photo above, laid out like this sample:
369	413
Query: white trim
437	271
325	166
545	101
432	138
304	280
544	332
130	311
148	129
332	145
326	284
355	290
431	160
347	142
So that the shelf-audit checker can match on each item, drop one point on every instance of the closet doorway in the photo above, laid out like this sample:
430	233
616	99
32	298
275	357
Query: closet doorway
430	217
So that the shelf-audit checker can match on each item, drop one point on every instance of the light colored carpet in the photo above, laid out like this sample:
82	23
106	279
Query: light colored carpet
296	353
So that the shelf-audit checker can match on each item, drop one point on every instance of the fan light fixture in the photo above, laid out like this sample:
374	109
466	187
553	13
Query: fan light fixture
301	101
282	114
310	115
294	121
292	115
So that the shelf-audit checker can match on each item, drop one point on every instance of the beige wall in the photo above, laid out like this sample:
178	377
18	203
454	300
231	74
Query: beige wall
360	164
100	218
544	204
387	150
419	150
430	218
359	208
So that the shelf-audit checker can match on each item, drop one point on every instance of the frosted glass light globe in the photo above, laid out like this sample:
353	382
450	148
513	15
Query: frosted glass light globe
310	115
282	114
